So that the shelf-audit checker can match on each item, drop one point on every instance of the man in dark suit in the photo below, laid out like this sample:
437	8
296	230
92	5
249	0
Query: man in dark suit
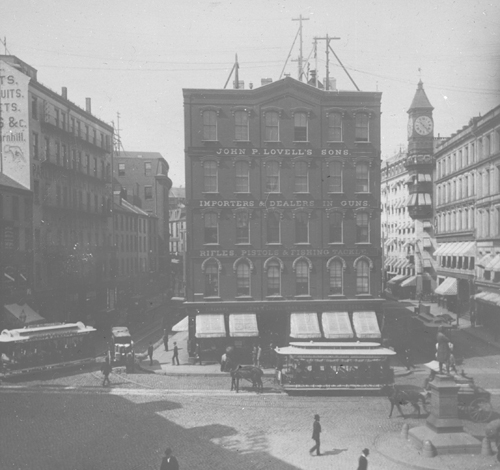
363	460
169	462
150	354
315	435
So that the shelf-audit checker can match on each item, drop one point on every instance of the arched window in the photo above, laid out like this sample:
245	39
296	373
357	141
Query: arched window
301	227
465	186
362	227
362	277
301	177
334	127
209	125
242	227
211	228
459	189
210	183
300	124
241	126
272	127
336	277
362	131
336	227
459	220
243	279
272	177
273	277
454	190
465	219
362	178
273	227
211	273
302	278
242	177
336	177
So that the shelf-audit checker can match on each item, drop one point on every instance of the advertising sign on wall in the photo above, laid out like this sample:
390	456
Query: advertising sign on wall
14	120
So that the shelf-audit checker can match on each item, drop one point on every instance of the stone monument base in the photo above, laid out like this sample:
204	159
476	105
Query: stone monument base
445	443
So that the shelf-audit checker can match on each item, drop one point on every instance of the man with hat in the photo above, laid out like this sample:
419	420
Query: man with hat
363	460
315	435
169	462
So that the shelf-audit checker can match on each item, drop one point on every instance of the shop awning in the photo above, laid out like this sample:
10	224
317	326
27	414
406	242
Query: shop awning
183	325
388	261
447	287
366	325
484	260
450	249
397	279
210	326
410	282
465	249
441	248
491	298
243	324
424	177
492	263
427	224
304	325
336	325
496	267
24	313
389	241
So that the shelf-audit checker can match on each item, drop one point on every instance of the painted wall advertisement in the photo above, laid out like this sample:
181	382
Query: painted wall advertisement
14	120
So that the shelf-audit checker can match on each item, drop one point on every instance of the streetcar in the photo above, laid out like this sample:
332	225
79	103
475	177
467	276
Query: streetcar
121	344
316	366
43	347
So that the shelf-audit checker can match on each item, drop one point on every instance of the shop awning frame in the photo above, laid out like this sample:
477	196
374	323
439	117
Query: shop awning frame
410	282
210	326
492	263
304	325
243	325
366	325
447	287
396	279
484	260
336	325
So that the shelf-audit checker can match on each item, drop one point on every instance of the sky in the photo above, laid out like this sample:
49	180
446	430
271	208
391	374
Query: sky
135	57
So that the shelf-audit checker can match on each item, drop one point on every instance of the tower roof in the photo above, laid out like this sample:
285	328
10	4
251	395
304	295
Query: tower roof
420	99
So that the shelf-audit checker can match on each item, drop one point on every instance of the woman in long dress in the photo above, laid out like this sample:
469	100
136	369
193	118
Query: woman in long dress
443	350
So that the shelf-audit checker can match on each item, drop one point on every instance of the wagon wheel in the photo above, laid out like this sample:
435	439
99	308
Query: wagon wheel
480	410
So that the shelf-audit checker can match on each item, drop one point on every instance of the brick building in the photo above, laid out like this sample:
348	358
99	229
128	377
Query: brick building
283	211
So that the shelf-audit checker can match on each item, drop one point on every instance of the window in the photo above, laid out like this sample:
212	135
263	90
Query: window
242	227
362	277
95	167
63	121
335	127
87	135
72	121
87	161
241	125
209	125
102	140
121	169
336	271
34	107
362	228
148	192
301	227
336	176
336	227
211	228
242	279
273	227
57	117
35	145
272	127
362	128
210	177
362	178
147	168
302	278
301	177
242	177
273	278
273	177
211	279
94	140
300	127
47	148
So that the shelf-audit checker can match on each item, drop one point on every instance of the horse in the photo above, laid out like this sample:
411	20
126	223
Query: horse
251	373
398	396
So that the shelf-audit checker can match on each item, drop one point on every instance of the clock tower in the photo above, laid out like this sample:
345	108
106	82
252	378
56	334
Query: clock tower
420	124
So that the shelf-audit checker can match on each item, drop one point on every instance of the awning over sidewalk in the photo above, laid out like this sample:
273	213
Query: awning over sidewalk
484	261
447	287
304	325
24	313
366	325
336	325
397	279
491	298
493	264
243	324
410	282
183	325
210	326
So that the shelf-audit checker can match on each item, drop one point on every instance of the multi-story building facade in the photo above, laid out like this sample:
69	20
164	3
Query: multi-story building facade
176	197
283	211
144	176
65	159
467	217
177	223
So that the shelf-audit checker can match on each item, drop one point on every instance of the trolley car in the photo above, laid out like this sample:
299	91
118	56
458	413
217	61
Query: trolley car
43	347
334	366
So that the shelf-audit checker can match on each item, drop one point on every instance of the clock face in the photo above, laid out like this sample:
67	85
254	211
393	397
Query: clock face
424	125
410	126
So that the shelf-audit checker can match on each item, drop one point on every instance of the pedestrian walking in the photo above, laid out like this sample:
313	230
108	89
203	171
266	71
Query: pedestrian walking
169	462
443	350
106	370
165	340
175	357
315	436
259	354
150	354
272	355
409	358
363	460
254	356
197	353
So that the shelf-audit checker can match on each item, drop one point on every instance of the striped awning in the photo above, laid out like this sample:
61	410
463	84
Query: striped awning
397	279
410	282
210	326
456	249
304	326
447	287
492	263
485	260
336	325
491	298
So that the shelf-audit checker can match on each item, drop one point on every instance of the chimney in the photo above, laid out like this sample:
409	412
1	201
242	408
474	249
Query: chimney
88	105
266	81
250	85
64	92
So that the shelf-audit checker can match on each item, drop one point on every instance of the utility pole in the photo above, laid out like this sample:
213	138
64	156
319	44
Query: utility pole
300	18
315	63
327	39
